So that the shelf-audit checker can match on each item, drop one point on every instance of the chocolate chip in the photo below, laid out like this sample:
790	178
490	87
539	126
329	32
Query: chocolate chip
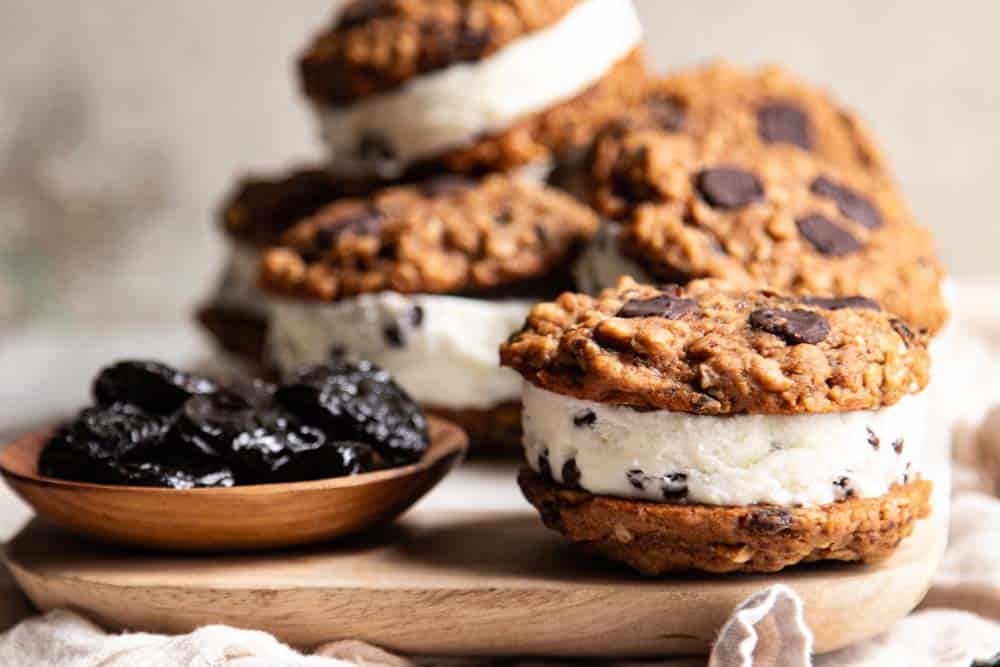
728	187
544	468
674	486
417	316
446	185
899	326
665	306
873	439
826	237
667	111
394	335
793	326
897	445
373	147
366	223
843	488
571	474
767	521
637	479
780	122
849	202
585	418
906	472
840	303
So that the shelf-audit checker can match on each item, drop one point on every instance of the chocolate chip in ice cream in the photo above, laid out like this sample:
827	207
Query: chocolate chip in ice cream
792	326
637	479
873	439
897	445
544	467
394	336
585	418
571	474
843	488
674	486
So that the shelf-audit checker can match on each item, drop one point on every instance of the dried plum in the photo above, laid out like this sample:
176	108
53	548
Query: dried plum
279	448
358	402
81	449
189	476
207	425
153	386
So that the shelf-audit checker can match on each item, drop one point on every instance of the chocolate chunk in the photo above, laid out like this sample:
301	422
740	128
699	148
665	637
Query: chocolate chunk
394	335
667	111
840	303
417	316
544	467
375	148
674	486
793	326
897	445
767	521
906	472
781	122
446	185
826	237
366	223
899	326
585	418
666	306
849	202
873	439
728	187
843	488
637	479
571	474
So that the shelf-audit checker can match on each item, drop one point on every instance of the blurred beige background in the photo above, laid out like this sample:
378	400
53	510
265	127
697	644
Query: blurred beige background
122	123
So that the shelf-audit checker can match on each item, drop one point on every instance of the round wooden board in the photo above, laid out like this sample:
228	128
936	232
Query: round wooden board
459	583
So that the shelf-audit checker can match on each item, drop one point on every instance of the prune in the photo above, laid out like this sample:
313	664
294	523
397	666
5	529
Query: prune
207	425
358	402
153	386
280	449
82	449
189	476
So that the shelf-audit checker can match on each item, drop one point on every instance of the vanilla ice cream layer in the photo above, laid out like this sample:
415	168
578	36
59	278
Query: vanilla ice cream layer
441	349
794	460
600	265
238	287
451	107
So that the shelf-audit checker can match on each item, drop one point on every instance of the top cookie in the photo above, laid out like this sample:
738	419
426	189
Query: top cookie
726	111
447	235
782	219
376	45
261	208
709	348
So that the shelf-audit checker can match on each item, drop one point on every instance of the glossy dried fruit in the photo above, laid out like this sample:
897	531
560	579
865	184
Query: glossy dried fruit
153	386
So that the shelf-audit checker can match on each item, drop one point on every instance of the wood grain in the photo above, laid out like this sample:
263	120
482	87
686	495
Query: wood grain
461	583
240	518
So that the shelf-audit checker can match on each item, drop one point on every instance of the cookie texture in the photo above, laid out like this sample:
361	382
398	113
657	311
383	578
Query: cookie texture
446	235
660	538
723	111
493	432
375	45
710	348
262	207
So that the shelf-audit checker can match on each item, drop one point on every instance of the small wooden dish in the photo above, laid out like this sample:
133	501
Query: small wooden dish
241	518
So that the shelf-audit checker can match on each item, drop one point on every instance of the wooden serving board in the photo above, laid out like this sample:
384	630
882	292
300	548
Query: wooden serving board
463	583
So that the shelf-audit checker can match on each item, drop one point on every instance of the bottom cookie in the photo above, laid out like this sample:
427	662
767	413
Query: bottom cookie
656	538
493	432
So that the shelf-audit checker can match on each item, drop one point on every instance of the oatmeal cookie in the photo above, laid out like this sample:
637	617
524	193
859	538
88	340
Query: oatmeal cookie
659	538
713	349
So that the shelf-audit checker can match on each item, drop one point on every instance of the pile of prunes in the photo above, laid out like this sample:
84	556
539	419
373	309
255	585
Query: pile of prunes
153	425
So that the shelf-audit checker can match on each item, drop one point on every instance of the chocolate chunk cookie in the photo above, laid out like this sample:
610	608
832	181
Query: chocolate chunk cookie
778	218
724	110
443	237
714	349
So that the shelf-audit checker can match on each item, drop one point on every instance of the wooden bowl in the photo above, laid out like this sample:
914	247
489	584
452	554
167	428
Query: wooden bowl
241	518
